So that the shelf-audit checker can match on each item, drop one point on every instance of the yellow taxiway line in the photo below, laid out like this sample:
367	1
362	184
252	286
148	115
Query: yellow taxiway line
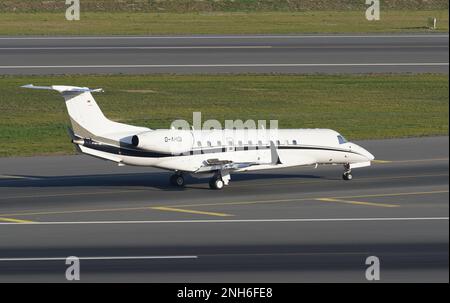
356	202
397	194
12	220
190	211
180	207
309	199
381	161
409	161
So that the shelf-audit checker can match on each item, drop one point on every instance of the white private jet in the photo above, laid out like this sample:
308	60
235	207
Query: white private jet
208	153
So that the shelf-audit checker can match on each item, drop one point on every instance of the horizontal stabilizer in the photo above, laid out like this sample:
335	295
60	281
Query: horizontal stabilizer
64	88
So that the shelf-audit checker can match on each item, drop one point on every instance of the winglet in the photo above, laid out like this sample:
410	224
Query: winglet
275	158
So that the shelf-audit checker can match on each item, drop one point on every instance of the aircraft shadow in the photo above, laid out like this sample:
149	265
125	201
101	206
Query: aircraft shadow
159	180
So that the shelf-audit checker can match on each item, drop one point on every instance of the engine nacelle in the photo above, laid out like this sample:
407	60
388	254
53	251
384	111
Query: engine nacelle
171	141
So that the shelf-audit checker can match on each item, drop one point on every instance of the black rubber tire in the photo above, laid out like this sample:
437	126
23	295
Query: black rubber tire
216	183
219	184
179	180
347	176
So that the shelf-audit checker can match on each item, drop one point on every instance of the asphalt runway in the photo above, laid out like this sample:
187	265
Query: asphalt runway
225	54
294	225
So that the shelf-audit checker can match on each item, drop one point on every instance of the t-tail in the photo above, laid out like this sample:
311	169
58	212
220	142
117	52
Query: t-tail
88	121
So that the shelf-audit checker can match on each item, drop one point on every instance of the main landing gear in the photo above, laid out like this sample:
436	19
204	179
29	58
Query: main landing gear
177	179
347	176
216	183
219	180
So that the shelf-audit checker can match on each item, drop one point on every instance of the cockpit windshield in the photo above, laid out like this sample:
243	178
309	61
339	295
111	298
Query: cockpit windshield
341	139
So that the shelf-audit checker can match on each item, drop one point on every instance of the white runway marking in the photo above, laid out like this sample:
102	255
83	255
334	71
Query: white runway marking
226	37
225	65
236	221
136	47
100	258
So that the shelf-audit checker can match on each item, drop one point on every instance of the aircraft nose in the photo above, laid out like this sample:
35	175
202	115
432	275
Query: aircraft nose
365	153
370	156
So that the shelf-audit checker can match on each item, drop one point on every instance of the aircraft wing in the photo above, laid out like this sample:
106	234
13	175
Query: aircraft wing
216	164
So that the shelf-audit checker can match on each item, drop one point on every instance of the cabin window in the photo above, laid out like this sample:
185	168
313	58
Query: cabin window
240	143
199	144
230	143
278	142
209	143
250	142
294	142
260	143
219	143
341	139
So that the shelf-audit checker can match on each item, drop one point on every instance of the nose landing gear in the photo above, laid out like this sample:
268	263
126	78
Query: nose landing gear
347	176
